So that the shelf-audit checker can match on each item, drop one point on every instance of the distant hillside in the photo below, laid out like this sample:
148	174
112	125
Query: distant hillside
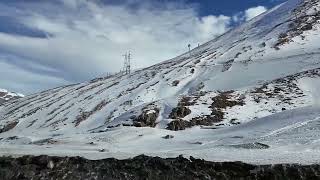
5	96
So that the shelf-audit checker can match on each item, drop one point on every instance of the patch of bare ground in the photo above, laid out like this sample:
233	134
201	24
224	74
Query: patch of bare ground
218	106
284	89
300	23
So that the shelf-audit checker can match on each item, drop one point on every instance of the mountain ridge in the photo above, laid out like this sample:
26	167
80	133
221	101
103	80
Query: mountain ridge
267	67
5	96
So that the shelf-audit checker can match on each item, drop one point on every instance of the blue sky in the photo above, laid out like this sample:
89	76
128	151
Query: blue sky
230	7
214	7
48	43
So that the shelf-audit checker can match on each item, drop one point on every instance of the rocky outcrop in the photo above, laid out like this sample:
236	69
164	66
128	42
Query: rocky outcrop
148	168
175	83
147	118
9	126
177	125
306	16
179	112
221	102
6	96
180	124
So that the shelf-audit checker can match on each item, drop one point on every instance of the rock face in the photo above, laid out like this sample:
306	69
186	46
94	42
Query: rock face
179	112
144	167
147	118
177	125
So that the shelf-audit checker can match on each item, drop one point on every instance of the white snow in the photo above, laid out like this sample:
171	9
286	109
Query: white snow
5	95
312	87
283	114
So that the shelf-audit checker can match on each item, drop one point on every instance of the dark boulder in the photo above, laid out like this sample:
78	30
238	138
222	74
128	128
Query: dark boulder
179	112
147	118
168	137
177	125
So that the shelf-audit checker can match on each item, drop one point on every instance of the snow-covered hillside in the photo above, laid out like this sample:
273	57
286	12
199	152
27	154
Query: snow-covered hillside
249	95
5	96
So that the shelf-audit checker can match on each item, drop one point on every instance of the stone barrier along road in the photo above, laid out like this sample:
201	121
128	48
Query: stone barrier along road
144	167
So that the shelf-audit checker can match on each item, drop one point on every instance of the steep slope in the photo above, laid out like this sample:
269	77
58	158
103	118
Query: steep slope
257	75
5	96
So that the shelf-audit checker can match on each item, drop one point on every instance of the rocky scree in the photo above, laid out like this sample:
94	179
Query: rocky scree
148	168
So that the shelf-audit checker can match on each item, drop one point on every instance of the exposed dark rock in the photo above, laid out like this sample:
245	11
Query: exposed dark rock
198	142
148	168
234	122
197	61
168	137
177	125
255	145
147	118
262	45
237	137
9	126
5	97
44	141
227	65
11	138
207	120
221	102
187	101
284	85
300	23
179	112
175	83
3	94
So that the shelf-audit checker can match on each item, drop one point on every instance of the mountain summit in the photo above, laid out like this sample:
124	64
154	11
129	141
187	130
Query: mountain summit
253	89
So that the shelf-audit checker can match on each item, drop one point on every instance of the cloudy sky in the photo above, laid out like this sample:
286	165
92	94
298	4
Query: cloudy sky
48	43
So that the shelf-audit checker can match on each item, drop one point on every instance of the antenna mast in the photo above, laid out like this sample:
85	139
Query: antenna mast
124	63
128	71
127	63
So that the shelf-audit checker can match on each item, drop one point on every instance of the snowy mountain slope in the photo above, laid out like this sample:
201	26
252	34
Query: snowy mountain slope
261	75
6	96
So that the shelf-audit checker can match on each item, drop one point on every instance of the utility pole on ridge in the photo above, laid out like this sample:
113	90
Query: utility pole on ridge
127	63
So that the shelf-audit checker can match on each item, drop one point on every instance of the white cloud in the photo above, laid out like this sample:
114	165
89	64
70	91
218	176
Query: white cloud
19	79
254	11
213	25
248	14
87	39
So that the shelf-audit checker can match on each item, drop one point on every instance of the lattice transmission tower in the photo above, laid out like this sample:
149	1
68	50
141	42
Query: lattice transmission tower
127	63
